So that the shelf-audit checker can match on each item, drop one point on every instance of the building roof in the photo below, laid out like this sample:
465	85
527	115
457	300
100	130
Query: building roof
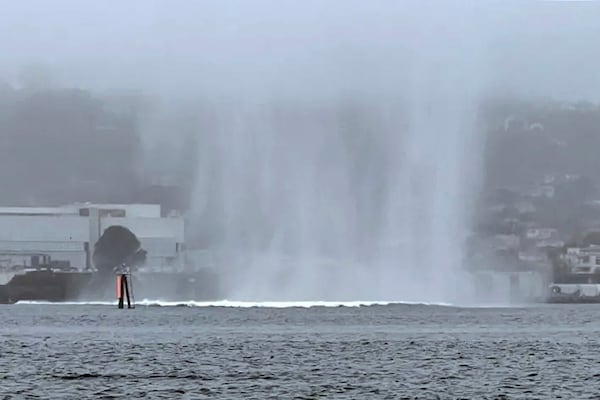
131	210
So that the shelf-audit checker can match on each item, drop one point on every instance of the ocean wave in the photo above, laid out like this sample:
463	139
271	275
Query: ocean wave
240	304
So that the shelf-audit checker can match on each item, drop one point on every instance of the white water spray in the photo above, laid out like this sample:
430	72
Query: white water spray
362	197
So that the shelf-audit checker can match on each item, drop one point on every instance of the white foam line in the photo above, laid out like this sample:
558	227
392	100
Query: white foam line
241	304
65	303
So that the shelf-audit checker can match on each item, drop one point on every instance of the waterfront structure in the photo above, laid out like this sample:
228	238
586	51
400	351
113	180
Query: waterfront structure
64	236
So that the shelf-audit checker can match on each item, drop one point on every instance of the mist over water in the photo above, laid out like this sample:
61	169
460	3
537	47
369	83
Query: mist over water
339	156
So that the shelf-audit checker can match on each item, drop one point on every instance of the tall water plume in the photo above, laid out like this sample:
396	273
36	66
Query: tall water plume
363	195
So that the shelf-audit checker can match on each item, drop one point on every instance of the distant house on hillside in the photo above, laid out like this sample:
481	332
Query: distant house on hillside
525	207
583	260
541	233
506	242
543	238
538	191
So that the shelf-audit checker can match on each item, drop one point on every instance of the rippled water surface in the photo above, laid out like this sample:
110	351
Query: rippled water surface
381	351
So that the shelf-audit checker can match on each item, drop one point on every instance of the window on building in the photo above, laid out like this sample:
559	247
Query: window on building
585	259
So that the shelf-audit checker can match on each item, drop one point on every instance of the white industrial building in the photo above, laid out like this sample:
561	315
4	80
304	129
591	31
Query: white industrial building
33	235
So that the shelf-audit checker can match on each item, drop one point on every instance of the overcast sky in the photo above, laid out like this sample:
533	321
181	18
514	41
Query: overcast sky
302	47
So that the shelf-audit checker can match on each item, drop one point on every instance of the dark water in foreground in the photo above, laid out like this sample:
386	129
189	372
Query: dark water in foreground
389	352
